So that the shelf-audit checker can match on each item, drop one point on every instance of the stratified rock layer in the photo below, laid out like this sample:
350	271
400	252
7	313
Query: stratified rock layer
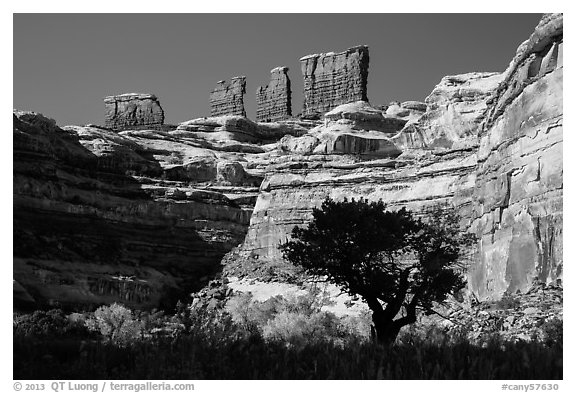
228	97
488	144
133	110
140	216
274	100
519	182
332	79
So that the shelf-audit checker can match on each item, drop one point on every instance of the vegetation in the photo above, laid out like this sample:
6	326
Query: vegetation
203	344
297	321
397	263
294	337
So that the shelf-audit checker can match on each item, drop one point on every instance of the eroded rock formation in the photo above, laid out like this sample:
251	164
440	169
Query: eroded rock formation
519	178
133	110
274	101
488	144
139	214
332	79
228	97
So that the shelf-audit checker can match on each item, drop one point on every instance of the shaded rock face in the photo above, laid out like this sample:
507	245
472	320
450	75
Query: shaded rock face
133	110
519	184
332	79
228	97
140	217
274	101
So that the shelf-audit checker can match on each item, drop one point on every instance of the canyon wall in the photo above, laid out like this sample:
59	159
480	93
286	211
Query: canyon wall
519	179
142	214
489	144
332	79
140	217
132	110
274	101
228	97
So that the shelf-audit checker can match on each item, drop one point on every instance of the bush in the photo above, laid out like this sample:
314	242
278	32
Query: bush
48	324
553	332
296	320
508	302
117	324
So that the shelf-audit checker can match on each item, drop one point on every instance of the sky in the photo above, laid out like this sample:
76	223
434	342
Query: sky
65	64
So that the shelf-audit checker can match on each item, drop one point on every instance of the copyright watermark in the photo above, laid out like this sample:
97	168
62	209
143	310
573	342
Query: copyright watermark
102	386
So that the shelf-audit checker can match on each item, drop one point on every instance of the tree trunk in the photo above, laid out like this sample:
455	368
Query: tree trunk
385	330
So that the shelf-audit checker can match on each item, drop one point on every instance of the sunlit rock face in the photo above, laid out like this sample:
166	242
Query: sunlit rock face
489	144
143	214
519	181
352	154
227	98
130	110
274	101
332	79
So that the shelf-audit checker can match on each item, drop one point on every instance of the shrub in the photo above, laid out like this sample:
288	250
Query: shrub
553	332
296	320
508	302
117	324
48	324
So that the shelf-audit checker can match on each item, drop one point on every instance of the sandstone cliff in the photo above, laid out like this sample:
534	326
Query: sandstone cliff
274	100
141	214
331	79
133	110
489	144
228	97
136	216
519	178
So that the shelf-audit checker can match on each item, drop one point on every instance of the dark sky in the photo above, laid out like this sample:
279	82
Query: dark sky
64	64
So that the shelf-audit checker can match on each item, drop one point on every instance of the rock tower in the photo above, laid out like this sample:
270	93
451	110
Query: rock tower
228	97
332	79
133	110
274	101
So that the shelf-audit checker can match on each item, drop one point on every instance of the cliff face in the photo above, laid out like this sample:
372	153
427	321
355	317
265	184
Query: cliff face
489	144
133	216
228	97
321	164
132	110
274	101
141	215
519	178
332	79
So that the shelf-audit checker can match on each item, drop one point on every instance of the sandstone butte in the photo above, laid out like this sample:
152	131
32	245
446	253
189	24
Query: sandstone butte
141	214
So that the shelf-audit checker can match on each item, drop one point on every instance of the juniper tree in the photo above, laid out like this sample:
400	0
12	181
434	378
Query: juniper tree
398	264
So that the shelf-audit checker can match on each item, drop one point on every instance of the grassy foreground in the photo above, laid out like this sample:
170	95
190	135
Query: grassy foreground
252	358
271	340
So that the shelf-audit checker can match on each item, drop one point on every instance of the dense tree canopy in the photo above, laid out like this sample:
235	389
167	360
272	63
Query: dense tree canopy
397	263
